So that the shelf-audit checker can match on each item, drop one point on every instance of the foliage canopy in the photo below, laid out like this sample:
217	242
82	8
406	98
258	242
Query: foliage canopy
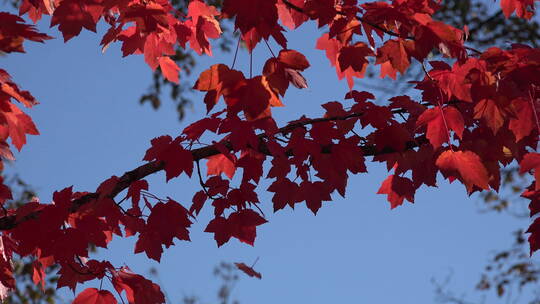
478	113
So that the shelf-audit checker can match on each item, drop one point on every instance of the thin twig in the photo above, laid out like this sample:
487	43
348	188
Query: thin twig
201	182
236	52
269	48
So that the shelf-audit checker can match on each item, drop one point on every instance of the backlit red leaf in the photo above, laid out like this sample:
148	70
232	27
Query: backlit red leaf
95	296
169	68
439	123
466	166
220	163
523	8
397	188
138	289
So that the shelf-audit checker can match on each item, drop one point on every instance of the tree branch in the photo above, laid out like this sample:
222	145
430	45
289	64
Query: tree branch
10	222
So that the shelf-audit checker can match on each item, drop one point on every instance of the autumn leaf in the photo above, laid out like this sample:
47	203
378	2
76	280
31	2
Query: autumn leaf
354	56
166	222
464	165
147	16
196	129
393	57
16	124
198	201
169	69
248	270
523	8
493	115
203	25
355	66
438	121
176	158
218	81
240	224
397	189
523	123
220	163
290	17
138	289
486	98
9	89
529	162
95	296
279	72
72	16
256	19
322	10
534	238
13	32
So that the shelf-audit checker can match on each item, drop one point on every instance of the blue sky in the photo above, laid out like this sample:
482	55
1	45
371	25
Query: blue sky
356	250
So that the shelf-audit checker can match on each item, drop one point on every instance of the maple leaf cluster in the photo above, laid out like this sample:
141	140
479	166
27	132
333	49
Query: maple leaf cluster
477	112
14	123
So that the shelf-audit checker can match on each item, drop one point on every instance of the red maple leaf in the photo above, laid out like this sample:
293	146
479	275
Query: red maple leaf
393	57
289	17
333	48
71	274
166	222
195	130
169	68
16	124
529	162
13	32
147	16
240	224
256	19
217	81
523	122
314	193
176	158
36	8
138	289
523	8
248	270
492	111
440	122
203	25
286	68
397	188
95	296
72	15
39	266
9	90
198	201
534	238
285	193
354	56
322	10
220	163
466	166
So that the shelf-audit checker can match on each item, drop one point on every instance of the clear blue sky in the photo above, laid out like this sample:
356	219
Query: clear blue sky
356	250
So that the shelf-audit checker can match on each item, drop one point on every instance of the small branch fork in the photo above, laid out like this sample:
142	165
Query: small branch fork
10	221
